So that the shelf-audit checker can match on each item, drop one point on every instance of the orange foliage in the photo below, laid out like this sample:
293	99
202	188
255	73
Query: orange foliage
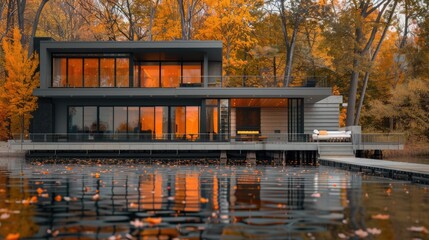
21	79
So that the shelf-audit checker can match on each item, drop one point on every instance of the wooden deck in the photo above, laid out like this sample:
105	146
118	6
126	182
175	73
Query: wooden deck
414	172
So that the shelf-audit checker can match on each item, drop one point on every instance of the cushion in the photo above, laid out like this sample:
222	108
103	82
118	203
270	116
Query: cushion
323	132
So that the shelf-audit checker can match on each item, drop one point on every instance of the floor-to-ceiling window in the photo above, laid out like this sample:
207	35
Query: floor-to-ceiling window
120	125
147	121
170	74
74	72
296	119
91	71
149	75
134	122
107	72
212	119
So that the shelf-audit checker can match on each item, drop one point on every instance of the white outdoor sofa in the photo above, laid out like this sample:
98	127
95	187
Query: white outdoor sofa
334	136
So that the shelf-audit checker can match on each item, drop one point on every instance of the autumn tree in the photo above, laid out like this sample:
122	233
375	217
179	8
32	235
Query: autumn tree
293	14
21	80
232	22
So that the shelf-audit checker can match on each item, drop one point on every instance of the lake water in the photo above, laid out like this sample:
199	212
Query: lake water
92	200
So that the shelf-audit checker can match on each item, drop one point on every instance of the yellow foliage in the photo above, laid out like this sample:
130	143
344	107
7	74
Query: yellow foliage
21	79
230	21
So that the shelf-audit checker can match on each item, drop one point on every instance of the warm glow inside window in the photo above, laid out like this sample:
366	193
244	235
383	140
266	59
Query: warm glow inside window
149	75
75	72
191	73
170	74
122	72
90	76
59	72
107	72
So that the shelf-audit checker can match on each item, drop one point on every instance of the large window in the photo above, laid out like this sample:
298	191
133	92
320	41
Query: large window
133	122
170	74
75	119
74	72
122	72
90	122
147	120
90	72
105	120
107	72
59	72
191	73
167	74
149	75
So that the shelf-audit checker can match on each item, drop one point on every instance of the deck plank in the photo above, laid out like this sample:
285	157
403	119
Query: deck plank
393	166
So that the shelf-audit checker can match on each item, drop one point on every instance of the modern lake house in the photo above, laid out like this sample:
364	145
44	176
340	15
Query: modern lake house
168	98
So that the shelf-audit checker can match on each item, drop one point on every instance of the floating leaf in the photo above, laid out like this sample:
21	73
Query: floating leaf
420	229
380	216
58	198
342	236
204	200
374	231
361	233
12	236
39	190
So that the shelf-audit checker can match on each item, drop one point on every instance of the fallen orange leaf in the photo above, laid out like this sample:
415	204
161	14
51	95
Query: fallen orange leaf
58	198
12	236
97	175
204	200
40	190
380	216
33	199
153	221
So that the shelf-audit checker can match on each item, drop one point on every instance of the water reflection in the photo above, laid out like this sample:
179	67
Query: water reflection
135	201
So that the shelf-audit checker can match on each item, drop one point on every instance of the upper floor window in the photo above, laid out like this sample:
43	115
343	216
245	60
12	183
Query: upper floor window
90	72
167	74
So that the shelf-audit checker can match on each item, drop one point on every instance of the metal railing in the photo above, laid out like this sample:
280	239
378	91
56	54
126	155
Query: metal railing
230	81
264	81
365	141
165	137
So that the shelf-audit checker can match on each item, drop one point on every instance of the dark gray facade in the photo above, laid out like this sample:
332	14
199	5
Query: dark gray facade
206	98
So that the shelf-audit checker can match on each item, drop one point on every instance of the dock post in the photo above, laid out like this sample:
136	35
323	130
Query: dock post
251	158
223	158
284	158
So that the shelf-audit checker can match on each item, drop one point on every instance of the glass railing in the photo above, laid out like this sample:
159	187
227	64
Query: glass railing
369	140
275	138
217	82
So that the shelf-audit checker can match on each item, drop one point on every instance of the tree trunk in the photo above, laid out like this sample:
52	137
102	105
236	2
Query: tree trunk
351	104
21	137
182	18
275	71
34	29
21	10
373	57
289	58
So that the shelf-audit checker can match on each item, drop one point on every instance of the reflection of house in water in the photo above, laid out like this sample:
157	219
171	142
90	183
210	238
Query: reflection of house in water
187	189
151	191
247	190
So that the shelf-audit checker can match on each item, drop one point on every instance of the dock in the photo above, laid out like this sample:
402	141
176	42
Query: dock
414	172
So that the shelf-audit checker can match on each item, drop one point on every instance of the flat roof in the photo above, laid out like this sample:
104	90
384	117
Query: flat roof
311	95
154	49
